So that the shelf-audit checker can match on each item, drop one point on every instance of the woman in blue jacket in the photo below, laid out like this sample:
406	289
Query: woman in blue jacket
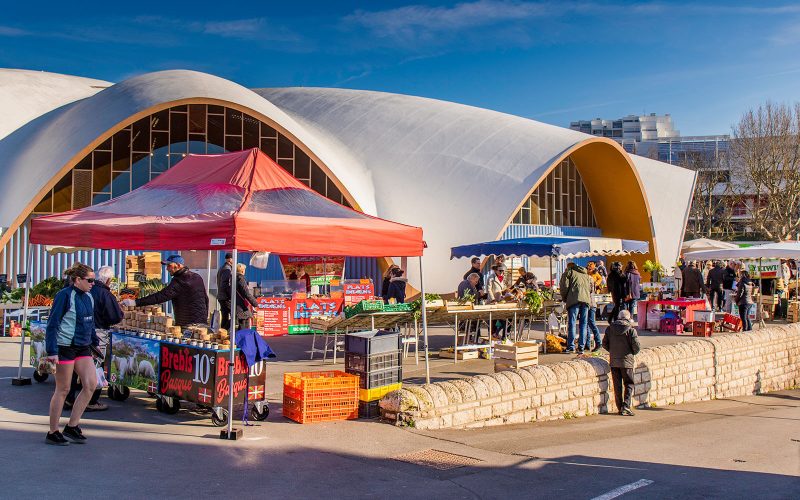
69	337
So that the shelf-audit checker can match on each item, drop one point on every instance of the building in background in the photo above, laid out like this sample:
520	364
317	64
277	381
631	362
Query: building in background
463	174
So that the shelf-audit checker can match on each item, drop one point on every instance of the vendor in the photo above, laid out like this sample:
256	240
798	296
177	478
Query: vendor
186	290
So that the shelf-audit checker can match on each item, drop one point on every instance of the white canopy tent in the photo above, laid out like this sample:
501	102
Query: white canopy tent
596	246
703	244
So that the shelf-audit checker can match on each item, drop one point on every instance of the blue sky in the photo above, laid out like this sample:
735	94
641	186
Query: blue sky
705	63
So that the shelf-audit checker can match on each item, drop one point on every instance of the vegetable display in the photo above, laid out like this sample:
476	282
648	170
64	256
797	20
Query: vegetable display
150	287
48	288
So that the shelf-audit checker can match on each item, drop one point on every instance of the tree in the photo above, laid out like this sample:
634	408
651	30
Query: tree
713	199
765	152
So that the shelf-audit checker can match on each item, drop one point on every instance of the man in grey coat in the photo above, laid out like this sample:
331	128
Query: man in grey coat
622	342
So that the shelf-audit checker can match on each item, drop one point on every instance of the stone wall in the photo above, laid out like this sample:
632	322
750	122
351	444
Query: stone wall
695	370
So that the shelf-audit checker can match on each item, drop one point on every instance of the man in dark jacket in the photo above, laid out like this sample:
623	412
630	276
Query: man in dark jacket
693	285
476	268
622	343
714	283
576	291
728	279
186	290
224	291
106	314
617	287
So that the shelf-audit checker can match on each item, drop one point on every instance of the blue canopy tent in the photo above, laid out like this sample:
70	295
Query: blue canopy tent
559	247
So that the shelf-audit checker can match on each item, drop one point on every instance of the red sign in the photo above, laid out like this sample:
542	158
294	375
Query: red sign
302	310
272	316
356	292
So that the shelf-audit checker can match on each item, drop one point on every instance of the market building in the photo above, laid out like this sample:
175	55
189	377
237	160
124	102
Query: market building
463	174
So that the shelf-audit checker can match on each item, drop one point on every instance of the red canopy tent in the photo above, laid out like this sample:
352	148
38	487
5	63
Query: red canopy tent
242	201
234	201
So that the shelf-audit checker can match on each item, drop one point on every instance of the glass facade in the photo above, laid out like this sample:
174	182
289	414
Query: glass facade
148	147
560	200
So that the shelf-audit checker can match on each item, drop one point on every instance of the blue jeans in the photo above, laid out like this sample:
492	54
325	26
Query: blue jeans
585	341
579	313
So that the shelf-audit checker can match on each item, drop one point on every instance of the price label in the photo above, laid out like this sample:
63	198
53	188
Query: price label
22	278
3	278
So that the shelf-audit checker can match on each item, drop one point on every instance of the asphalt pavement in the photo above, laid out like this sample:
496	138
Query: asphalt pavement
743	448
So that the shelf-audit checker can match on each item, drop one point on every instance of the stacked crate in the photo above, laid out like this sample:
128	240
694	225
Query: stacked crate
147	265
376	357
320	396
702	328
793	312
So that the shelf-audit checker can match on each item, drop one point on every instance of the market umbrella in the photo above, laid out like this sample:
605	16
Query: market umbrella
702	244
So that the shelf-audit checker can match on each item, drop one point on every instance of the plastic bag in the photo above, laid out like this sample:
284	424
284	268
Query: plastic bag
260	260
101	378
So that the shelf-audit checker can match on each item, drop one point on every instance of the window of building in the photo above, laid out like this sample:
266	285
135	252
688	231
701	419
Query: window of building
144	149
560	199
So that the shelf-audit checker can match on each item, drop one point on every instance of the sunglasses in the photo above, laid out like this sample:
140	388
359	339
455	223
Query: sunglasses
88	280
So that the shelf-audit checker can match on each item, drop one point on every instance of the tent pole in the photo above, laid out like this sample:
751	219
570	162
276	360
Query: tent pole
208	278
552	285
761	322
232	333
19	380
424	322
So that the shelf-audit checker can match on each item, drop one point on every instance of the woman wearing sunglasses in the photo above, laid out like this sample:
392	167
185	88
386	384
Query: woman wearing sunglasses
70	335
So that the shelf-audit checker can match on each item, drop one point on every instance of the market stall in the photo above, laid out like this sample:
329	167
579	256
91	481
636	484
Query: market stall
652	313
235	201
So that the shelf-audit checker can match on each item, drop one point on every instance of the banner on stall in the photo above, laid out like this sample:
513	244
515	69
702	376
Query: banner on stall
272	316
276	316
767	270
356	292
321	269
302	310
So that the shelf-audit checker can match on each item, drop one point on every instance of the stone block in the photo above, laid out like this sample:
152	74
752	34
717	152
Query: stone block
483	412
461	418
492	385
502	409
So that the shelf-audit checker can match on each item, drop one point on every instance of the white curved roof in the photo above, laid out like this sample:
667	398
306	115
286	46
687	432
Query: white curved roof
458	171
26	95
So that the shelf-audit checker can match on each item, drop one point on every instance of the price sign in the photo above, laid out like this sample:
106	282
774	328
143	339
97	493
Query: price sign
22	278
3	278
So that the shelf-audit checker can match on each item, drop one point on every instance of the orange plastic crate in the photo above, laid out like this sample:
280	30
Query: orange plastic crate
320	396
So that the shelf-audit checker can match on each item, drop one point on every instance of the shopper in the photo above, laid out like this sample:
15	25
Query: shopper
707	269
618	288
633	281
69	336
678	274
576	289
601	269
469	286
500	261
693	285
387	280
224	291
476	268
597	279
186	290
714	284
497	293
245	300
744	299
622	344
397	287
729	285
526	280
106	314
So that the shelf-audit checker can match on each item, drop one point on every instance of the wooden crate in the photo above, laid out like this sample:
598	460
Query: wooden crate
514	356
455	306
448	353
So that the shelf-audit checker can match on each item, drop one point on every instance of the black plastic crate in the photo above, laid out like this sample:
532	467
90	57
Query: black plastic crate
369	409
371	380
374	362
372	342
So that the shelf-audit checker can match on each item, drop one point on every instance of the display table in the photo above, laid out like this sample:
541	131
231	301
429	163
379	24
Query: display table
687	308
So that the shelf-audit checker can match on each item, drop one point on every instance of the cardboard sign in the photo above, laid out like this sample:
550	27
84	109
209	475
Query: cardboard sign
272	316
356	292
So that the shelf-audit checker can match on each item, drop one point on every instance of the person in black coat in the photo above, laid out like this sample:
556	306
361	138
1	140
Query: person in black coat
618	288
714	283
387	279
622	344
244	299
224	291
186	290
397	287
476	268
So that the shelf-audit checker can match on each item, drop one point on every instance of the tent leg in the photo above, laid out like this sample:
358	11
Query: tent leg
552	285
208	278
229	433
761	322
425	323
19	380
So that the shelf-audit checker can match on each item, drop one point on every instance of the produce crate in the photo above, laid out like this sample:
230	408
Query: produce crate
320	385
450	353
375	379
704	316
372	342
671	325
455	306
702	328
305	412
375	362
732	323
378	392
514	356
397	308
368	409
365	306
